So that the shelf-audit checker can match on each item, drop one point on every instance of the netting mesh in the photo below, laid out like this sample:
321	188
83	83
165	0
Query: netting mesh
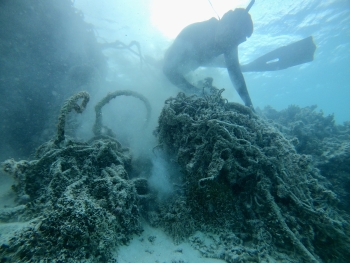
242	176
76	197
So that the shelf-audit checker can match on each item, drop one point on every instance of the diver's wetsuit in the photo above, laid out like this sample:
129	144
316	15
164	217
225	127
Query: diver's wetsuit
198	44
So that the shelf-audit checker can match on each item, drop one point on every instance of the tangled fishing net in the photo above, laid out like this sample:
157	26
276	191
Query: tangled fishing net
244	183
321	137
245	195
76	197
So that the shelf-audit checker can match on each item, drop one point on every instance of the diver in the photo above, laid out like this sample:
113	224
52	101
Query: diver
200	43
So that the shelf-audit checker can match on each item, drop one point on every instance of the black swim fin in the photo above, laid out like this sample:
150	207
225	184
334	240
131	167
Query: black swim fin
293	54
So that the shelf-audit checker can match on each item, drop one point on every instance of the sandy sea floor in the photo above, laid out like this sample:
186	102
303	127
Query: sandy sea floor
152	246
7	198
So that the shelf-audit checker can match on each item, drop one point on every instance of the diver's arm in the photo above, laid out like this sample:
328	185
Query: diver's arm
175	77
236	76
192	46
176	58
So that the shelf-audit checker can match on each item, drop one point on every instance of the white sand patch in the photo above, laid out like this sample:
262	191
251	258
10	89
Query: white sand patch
154	246
7	196
8	230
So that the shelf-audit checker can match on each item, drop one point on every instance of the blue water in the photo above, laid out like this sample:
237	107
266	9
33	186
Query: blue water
324	82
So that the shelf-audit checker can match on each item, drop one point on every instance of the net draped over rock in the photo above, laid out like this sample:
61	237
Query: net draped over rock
321	137
244	180
77	198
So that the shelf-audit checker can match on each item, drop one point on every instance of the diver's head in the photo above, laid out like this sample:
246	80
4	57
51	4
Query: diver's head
234	27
